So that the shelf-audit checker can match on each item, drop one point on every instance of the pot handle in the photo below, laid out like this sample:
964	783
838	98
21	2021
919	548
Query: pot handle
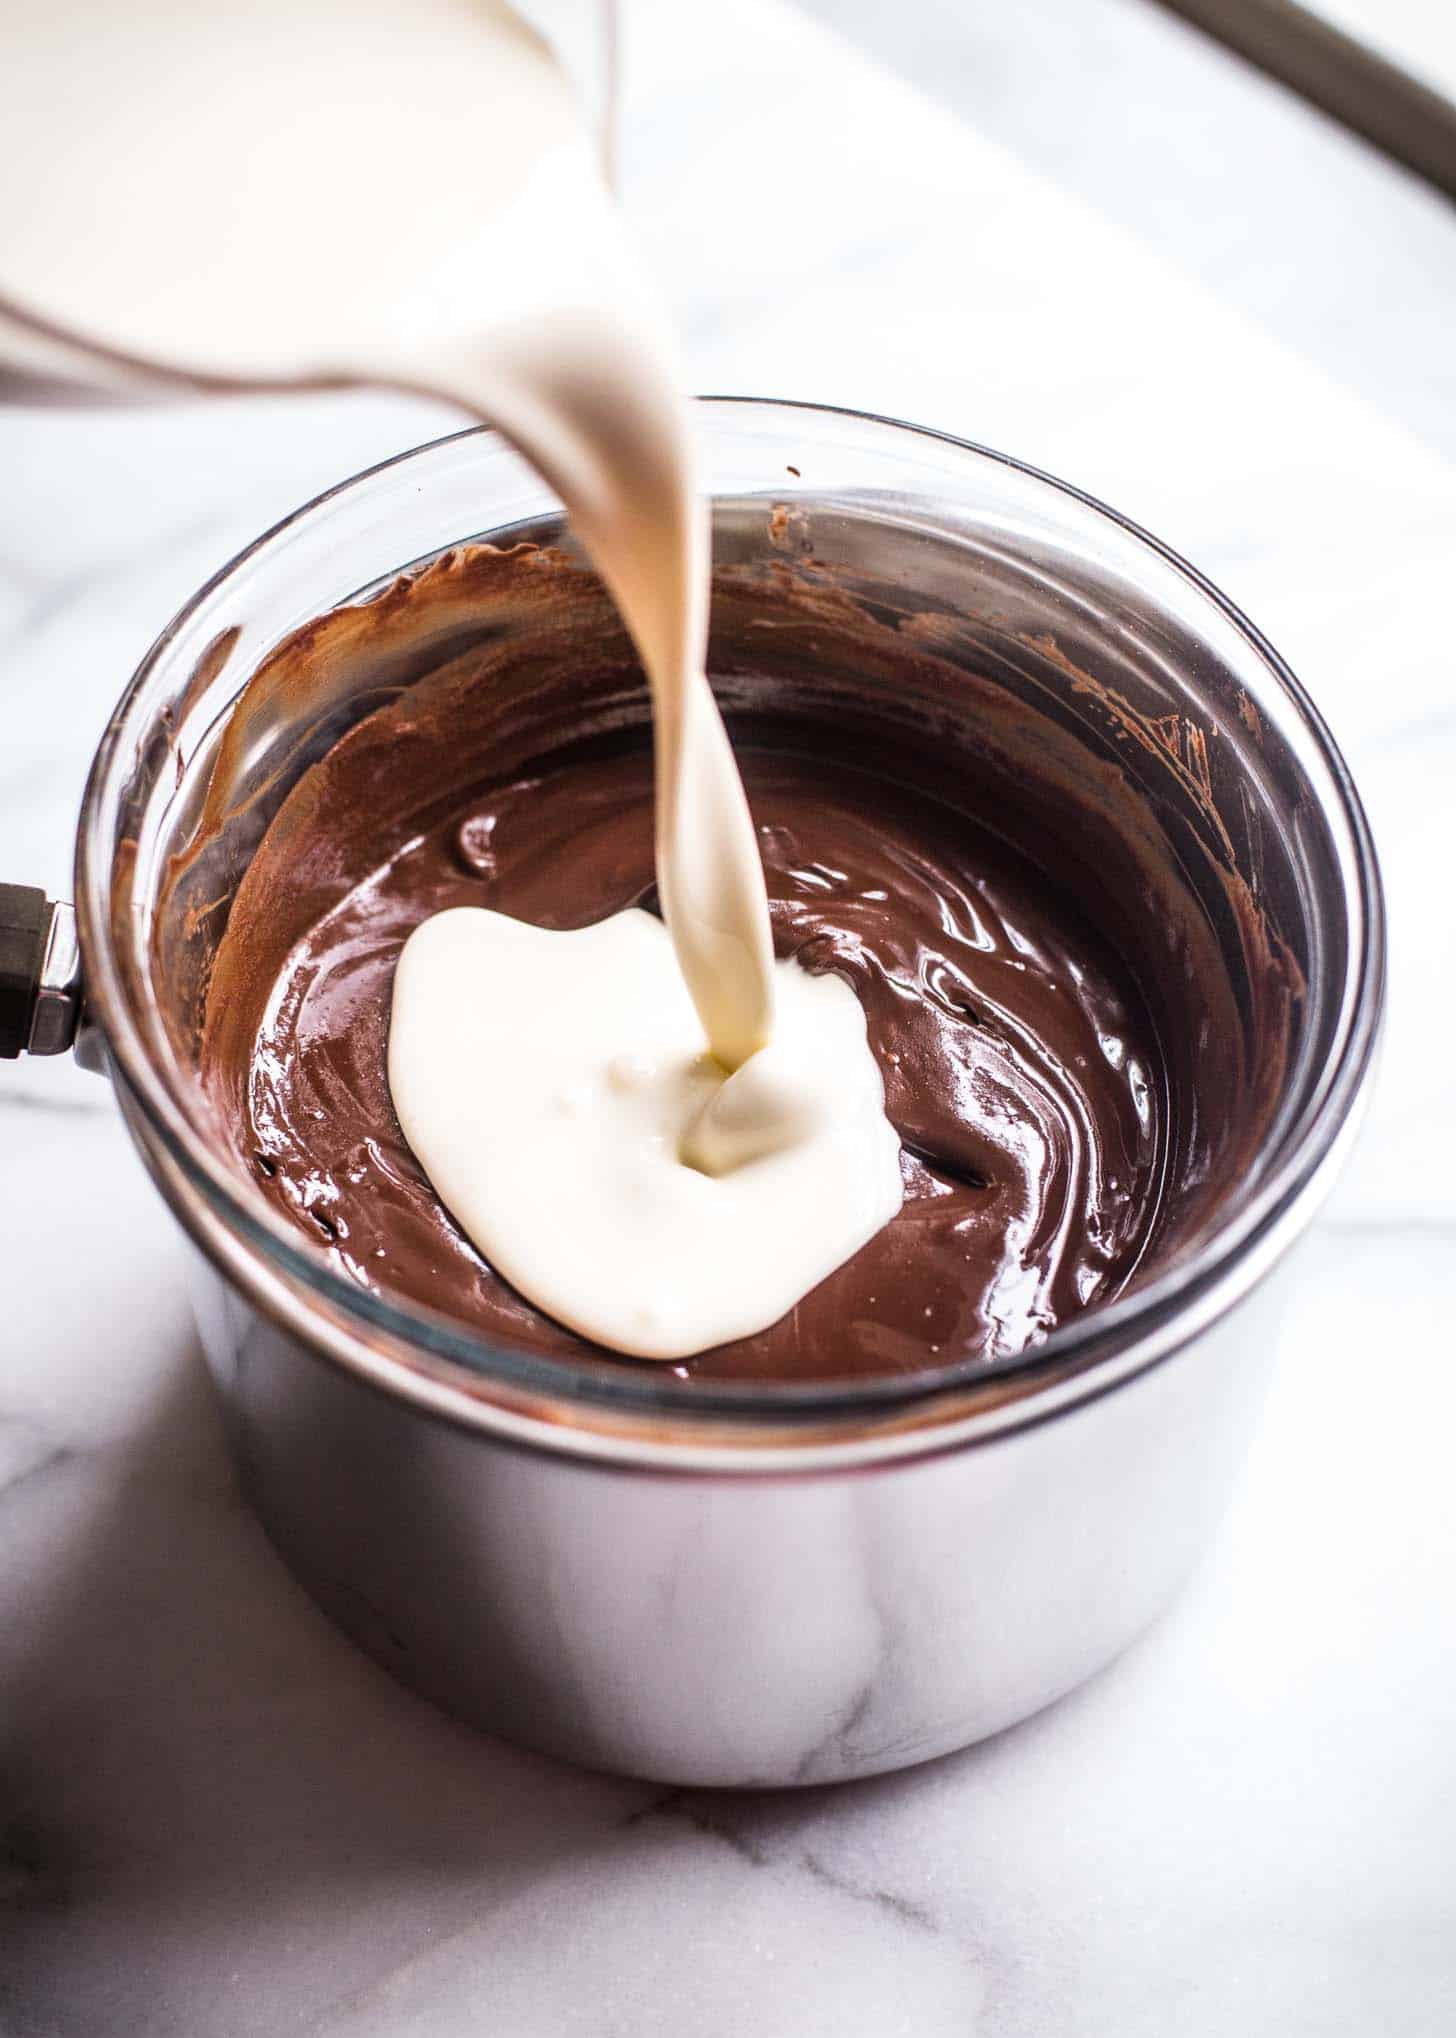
40	974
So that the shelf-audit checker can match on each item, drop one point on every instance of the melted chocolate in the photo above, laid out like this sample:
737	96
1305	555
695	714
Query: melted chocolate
1059	1133
1019	1068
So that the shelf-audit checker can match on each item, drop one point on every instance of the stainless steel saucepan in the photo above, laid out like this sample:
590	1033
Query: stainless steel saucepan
699	1582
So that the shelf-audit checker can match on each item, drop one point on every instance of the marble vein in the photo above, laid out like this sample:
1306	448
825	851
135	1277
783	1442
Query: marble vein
719	1816
14	1483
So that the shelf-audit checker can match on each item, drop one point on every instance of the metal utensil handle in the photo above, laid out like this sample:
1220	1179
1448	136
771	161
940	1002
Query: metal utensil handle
40	974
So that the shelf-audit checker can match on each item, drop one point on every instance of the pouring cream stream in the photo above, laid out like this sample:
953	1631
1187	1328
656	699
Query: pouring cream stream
306	192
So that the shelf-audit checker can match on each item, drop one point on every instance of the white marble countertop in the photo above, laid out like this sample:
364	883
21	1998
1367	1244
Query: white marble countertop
218	1820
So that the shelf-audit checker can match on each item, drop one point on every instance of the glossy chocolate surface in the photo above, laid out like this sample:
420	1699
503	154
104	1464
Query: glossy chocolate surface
1020	1067
1072	1068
